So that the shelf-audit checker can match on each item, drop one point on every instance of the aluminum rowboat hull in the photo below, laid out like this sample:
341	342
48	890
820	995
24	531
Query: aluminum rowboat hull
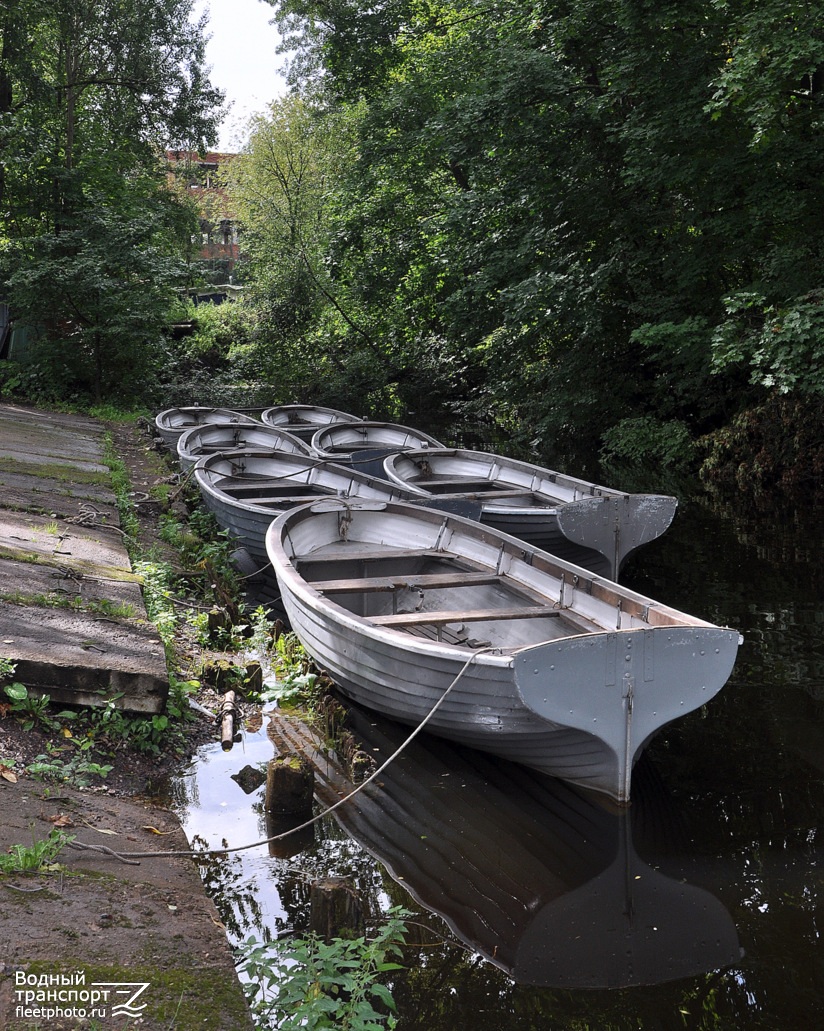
214	438
574	683
173	422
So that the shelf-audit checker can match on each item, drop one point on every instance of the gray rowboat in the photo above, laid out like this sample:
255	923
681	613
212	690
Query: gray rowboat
592	526
245	490
173	422
304	420
531	658
215	438
364	445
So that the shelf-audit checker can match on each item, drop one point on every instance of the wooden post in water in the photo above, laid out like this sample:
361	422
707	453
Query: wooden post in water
290	785
289	842
290	789
227	721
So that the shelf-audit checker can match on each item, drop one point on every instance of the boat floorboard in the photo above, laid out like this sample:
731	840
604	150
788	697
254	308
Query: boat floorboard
473	491
444	635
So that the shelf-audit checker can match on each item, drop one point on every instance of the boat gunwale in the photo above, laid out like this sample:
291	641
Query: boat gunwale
496	655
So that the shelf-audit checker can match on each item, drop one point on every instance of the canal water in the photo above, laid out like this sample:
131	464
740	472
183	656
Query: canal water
537	908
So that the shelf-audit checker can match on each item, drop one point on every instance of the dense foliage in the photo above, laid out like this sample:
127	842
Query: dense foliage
92	93
595	224
585	219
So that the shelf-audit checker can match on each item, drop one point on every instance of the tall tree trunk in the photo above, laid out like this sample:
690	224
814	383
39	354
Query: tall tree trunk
6	92
98	368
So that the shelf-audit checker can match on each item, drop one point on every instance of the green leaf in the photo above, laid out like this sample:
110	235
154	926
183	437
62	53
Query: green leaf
17	692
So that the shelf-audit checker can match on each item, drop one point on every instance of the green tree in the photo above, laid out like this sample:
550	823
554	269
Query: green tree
92	92
312	335
100	290
279	186
579	214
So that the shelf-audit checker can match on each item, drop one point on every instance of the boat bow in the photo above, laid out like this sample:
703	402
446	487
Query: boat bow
622	687
616	524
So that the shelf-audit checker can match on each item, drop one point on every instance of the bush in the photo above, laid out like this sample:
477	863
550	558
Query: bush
778	445
306	983
647	441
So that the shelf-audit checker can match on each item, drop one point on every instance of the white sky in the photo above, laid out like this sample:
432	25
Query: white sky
244	64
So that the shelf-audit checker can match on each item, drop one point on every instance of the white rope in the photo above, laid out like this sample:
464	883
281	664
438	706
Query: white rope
130	857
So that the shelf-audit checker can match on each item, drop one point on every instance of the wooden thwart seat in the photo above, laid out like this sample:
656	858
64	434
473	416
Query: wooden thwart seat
213	448
350	553
402	619
495	495
278	498
459	483
458	578
283	499
232	485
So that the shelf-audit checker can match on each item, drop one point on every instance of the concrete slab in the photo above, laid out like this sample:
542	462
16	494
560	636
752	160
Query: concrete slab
150	922
79	658
17	420
57	497
66	587
72	617
55	541
46	438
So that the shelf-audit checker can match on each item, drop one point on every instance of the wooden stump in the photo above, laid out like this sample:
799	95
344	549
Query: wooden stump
218	619
227	721
222	673
336	909
254	677
290	785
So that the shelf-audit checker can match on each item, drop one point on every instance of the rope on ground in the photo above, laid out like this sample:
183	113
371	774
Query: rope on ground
255	572
88	515
183	481
130	857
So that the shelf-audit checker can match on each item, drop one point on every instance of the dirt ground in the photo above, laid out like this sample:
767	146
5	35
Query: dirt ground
114	924
77	941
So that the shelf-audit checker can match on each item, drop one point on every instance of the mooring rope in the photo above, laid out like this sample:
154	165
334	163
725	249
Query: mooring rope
132	857
255	572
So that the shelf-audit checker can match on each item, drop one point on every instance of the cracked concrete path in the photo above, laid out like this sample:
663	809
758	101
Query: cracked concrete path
72	617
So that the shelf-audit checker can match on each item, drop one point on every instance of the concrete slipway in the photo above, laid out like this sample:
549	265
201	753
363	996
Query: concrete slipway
72	617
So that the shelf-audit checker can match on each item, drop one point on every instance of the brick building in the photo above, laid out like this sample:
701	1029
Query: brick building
202	176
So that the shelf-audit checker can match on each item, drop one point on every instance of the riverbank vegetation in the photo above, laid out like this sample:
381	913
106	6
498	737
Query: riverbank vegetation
594	227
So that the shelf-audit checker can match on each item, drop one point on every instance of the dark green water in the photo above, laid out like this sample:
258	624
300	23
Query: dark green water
728	805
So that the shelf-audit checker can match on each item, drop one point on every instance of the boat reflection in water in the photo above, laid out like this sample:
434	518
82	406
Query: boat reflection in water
538	878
